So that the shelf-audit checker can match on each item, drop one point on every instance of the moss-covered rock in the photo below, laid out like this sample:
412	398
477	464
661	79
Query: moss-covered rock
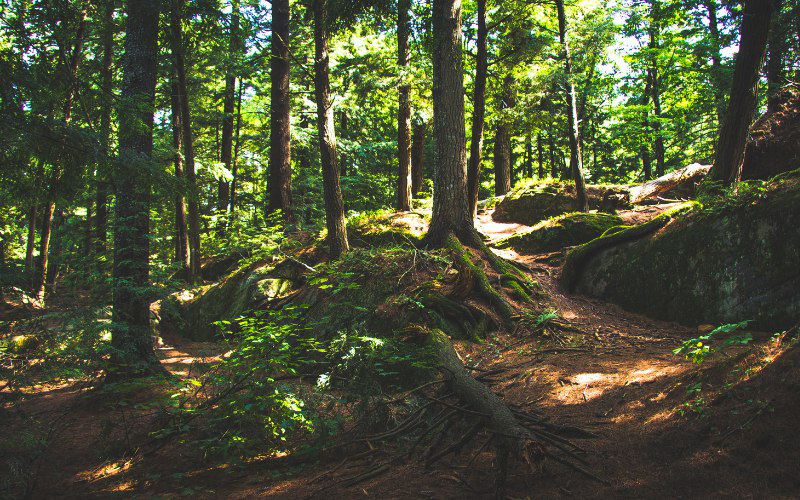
560	232
733	262
193	313
534	203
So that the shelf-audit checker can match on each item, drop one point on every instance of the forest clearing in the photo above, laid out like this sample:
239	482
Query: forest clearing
412	249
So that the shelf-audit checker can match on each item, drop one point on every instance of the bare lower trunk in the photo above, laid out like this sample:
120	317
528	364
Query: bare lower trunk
576	162
502	160
280	156
334	207
478	112
403	110
741	106
31	239
418	157
181	233
541	155
451	211
716	61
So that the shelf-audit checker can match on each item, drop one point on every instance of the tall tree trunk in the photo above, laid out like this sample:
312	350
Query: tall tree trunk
228	108
31	239
776	47
576	163
280	156
502	160
236	145
418	157
541	155
553	167
176	21
646	166
742	103
644	151
131	335
478	112
403	109
528	156
107	86
716	60
655	87
181	233
451	210
343	133
334	207
55	178
56	247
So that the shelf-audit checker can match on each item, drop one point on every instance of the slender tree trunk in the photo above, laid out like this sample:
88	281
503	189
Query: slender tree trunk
451	210
553	167
56	248
280	158
528	156
334	207
478	112
644	151
776	47
107	86
131	334
576	163
403	109
181	233
228	107
741	106
716	60
646	166
176	21
343	133
31	239
236	145
418	157
655	87
541	155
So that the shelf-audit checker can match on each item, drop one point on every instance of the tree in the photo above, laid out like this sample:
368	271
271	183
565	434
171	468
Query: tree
179	60
479	111
403	109
451	213
418	156
133	353
280	159
502	140
742	103
332	191
228	106
107	76
575	161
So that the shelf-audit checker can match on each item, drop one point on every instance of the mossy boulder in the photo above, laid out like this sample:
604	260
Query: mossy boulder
738	260
560	232
192	314
537	202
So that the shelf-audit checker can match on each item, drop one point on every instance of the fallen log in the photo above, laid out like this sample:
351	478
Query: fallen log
686	176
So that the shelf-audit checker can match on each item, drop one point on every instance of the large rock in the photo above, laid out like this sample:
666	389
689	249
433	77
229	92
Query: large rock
733	262
774	143
531	204
560	232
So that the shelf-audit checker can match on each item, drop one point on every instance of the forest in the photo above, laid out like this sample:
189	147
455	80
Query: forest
506	249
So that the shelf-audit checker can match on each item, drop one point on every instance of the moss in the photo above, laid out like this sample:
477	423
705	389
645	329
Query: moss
560	232
22	344
740	261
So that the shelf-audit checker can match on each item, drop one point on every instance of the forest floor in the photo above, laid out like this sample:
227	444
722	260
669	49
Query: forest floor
668	428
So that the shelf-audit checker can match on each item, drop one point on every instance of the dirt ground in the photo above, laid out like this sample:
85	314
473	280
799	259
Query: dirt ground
667	428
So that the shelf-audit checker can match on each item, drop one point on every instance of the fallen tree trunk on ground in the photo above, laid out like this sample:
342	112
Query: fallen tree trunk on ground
685	177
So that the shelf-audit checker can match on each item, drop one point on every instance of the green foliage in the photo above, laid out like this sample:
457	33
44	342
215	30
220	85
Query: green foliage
700	348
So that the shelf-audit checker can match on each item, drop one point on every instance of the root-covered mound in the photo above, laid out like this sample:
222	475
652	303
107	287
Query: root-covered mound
735	259
774	144
561	232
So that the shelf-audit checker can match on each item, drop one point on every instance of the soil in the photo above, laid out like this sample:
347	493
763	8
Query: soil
667	428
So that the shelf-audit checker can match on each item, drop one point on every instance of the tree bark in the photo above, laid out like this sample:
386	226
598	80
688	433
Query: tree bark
235	168
528	156
131	335
478	112
280	156
107	86
451	210
228	107
742	103
655	88
776	47
502	160
334	207
181	233
31	239
716	60
403	202
576	163
541	155
176	21
553	166
418	157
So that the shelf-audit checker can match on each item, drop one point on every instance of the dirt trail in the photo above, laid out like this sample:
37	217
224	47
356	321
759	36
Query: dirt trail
613	373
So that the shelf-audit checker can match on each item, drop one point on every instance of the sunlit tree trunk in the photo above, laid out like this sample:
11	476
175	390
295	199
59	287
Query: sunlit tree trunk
742	103
334	207
576	163
131	334
716	60
418	157
280	156
229	107
776	48
403	109
655	87
541	155
181	233
478	111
